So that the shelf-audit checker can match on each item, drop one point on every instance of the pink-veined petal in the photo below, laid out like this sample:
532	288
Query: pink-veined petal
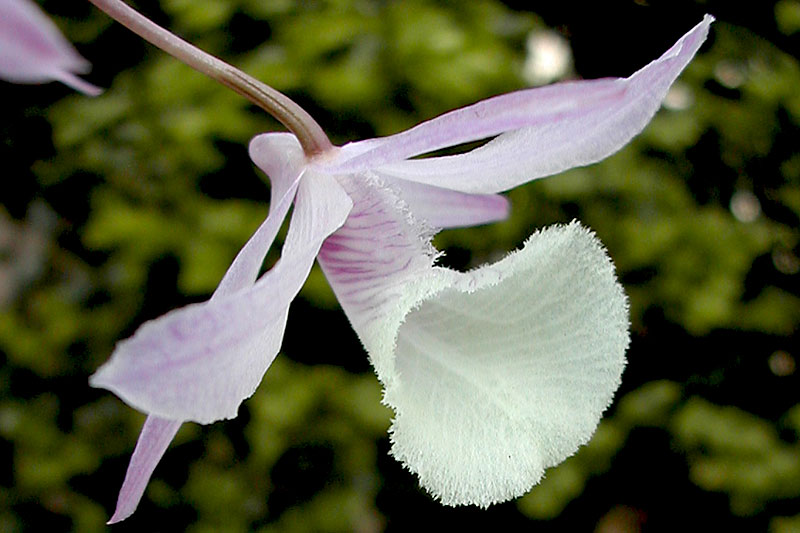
198	363
548	130
32	50
445	208
370	259
153	441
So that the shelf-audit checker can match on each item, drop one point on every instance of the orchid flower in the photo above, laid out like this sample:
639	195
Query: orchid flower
493	375
32	50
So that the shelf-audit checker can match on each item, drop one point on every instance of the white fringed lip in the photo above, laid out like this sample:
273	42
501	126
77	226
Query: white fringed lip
499	373
494	375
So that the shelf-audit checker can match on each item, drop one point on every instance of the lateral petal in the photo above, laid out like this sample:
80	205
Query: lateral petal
445	208
482	120
198	363
279	155
547	130
154	439
32	50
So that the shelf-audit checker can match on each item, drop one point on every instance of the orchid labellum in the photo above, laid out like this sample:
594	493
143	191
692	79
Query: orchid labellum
495	374
32	50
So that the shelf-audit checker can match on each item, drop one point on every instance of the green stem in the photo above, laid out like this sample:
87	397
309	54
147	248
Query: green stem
295	118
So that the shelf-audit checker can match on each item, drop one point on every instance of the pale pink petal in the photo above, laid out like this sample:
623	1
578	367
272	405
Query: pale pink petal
485	119
153	441
494	374
198	363
280	156
444	208
32	50
549	129
282	159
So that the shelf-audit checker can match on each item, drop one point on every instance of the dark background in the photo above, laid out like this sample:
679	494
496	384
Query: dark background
120	208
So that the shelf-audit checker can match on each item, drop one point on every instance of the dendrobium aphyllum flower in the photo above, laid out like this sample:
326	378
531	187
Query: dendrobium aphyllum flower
32	50
495	374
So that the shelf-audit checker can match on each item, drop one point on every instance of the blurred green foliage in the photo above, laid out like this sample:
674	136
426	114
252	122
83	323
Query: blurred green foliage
119	208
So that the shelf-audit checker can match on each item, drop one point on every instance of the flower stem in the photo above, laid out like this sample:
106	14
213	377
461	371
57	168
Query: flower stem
295	118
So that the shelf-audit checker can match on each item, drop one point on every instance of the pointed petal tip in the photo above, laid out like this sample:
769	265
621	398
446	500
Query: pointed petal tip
156	436
80	85
701	29
125	509
695	37
33	50
96	380
103	377
118	517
